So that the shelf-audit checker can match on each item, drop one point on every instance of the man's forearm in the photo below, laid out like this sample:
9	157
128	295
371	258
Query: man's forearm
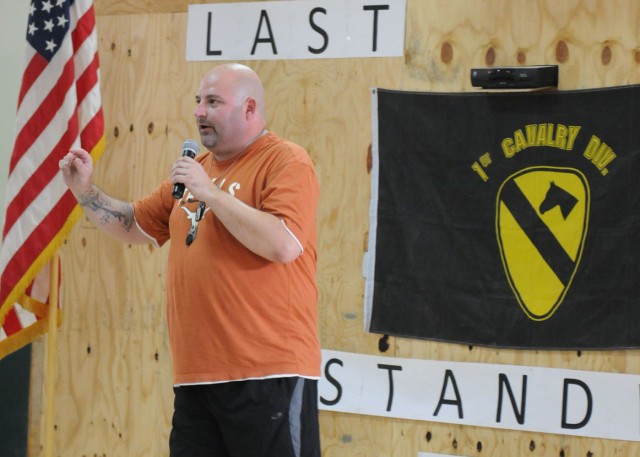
262	233
110	215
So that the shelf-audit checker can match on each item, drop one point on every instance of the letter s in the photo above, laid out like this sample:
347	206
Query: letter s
318	29
333	381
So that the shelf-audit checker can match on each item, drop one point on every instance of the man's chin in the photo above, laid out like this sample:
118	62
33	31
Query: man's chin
208	140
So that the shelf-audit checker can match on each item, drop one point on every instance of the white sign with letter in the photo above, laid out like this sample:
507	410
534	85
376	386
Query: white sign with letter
548	400
299	29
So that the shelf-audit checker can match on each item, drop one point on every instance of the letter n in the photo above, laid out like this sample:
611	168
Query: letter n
504	382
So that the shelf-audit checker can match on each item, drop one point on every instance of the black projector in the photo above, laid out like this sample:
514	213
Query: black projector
529	77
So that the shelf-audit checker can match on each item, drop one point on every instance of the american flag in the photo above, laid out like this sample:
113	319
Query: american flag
59	107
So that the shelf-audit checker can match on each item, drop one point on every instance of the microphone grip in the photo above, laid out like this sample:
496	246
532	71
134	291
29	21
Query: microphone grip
178	188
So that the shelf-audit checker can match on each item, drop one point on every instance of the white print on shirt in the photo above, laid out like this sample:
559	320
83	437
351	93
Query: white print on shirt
232	187
191	215
190	199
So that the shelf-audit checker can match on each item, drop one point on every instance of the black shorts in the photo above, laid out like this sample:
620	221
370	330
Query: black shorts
275	417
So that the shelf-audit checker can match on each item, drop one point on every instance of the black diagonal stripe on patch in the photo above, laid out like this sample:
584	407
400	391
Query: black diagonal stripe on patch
545	242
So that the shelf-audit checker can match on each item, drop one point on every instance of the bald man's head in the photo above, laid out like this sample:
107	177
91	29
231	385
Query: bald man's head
243	82
230	109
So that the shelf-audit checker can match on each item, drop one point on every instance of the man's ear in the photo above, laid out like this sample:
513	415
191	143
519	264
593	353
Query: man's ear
250	106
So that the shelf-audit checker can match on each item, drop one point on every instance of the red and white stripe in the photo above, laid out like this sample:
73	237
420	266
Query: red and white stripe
59	107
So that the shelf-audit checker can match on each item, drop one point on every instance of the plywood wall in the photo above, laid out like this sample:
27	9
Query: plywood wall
113	392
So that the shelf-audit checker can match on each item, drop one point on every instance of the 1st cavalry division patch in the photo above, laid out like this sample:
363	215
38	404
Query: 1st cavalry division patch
542	217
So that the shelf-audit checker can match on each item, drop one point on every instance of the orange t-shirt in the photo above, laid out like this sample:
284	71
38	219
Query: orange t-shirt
232	314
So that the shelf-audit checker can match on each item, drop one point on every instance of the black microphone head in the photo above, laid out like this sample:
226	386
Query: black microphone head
190	148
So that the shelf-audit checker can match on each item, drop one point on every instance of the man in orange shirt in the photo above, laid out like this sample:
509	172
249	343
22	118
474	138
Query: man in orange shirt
241	277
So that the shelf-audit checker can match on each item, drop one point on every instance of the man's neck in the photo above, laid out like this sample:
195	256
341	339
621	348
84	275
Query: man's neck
219	157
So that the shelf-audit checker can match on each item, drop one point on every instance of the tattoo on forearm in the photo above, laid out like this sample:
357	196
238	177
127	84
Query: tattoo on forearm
97	203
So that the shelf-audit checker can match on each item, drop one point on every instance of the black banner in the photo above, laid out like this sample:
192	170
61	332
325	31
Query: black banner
506	219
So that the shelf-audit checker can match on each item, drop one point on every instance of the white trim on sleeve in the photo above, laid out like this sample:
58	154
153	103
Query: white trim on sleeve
292	236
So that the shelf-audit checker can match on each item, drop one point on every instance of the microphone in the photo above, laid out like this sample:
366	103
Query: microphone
189	148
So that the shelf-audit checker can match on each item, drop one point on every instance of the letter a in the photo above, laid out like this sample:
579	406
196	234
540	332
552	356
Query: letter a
264	16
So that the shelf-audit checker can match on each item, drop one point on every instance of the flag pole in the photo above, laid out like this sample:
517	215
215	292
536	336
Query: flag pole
50	413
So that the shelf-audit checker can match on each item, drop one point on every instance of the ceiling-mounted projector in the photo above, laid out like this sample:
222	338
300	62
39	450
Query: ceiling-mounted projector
529	77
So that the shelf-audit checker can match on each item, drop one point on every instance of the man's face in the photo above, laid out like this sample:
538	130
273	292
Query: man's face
219	115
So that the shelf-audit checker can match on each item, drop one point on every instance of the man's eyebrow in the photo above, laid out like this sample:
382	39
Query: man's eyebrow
207	97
